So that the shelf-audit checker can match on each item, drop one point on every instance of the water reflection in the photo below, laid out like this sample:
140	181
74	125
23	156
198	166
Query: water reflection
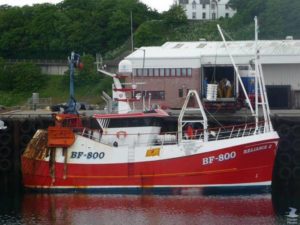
133	209
91	209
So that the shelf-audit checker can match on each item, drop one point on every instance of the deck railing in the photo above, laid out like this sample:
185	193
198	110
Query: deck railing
215	134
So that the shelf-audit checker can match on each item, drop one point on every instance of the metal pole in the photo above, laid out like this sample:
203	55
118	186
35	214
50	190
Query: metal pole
144	60
256	74
131	30
71	64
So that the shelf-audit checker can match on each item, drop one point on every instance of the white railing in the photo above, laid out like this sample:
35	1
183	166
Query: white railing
168	138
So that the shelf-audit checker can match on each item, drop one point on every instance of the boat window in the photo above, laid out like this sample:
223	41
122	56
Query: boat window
134	122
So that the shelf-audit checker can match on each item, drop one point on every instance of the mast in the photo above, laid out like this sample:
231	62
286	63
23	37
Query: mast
256	72
123	104
260	84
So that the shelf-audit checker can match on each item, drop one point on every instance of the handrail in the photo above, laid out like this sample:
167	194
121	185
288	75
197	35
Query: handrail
228	132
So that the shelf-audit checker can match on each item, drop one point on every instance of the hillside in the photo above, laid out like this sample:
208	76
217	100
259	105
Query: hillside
89	27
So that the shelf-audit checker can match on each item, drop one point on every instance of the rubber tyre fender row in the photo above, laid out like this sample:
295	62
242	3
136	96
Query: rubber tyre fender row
4	151
5	165
5	138
285	173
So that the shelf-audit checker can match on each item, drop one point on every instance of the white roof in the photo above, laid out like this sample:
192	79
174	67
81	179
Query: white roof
271	52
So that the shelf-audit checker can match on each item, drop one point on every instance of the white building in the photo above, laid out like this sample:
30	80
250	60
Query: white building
206	9
170	70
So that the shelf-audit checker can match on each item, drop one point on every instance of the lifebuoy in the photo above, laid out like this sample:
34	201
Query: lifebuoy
5	164
285	173
121	134
4	151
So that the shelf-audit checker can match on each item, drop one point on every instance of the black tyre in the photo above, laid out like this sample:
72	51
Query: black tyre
296	130
296	173
26	126
25	138
296	145
5	165
39	124
5	139
285	173
284	130
296	158
285	159
284	145
4	151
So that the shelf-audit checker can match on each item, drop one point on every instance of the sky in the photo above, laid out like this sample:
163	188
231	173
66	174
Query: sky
159	5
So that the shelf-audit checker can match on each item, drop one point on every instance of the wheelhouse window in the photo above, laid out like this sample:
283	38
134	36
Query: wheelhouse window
155	95
134	122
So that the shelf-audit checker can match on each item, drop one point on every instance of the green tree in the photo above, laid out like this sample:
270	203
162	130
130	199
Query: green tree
175	16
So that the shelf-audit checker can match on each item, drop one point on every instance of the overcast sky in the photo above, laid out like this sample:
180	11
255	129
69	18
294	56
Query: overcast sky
159	5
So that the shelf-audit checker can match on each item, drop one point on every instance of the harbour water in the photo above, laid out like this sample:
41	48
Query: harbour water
191	209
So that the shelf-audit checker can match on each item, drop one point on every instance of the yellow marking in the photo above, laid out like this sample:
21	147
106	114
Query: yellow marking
153	152
160	175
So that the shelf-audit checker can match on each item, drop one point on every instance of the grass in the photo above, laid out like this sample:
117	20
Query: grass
58	89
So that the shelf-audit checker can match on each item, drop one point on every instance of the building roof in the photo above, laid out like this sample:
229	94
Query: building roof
205	52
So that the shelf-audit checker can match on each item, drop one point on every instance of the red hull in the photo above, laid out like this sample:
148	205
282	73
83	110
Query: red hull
250	166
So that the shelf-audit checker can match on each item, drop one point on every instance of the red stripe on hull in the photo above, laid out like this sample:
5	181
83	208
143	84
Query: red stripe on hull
244	164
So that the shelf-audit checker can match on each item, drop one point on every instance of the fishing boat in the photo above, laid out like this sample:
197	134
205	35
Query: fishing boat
128	152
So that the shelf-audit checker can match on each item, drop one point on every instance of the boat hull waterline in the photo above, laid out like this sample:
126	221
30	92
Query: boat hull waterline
238	162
